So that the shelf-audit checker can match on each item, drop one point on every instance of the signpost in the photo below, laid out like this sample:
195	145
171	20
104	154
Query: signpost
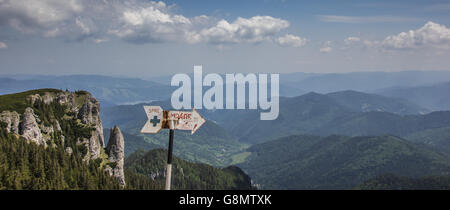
174	120
155	121
190	121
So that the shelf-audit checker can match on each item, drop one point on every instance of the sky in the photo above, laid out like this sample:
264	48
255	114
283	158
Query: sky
140	38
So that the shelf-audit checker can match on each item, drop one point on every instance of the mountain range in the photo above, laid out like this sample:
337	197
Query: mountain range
433	97
347	113
108	90
334	131
150	166
122	90
338	162
228	133
362	81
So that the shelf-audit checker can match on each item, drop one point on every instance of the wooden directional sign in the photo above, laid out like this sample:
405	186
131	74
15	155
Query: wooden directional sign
190	121
183	120
174	120
155	120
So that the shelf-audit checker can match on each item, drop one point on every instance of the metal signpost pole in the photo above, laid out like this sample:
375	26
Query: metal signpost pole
169	156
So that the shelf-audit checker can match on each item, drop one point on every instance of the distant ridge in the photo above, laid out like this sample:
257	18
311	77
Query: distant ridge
338	162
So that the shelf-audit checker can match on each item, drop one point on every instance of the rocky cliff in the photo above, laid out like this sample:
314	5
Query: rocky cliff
47	117
116	151
29	127
11	119
89	114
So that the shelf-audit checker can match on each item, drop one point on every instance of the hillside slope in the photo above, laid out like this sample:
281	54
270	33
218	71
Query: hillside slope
211	144
338	162
362	81
393	182
342	113
51	139
438	138
364	102
149	168
433	97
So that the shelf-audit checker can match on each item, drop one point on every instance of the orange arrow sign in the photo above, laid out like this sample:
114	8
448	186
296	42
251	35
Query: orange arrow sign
186	120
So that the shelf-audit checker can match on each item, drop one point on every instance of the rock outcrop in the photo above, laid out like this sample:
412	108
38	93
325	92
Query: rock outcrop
69	150
29	127
89	114
116	153
47	98
12	120
66	98
69	99
80	108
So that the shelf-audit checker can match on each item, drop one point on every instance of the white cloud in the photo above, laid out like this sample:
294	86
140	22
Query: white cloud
369	43
157	23
352	39
326	47
136	21
100	40
38	16
252	30
291	41
350	42
151	22
431	35
3	45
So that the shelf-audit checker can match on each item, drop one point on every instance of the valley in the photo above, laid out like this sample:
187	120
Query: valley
345	139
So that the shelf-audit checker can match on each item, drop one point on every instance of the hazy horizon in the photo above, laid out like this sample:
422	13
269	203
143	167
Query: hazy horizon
25	76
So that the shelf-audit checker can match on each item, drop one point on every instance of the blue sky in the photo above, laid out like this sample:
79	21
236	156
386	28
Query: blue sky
139	38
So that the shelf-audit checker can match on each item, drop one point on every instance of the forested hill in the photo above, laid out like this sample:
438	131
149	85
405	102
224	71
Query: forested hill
145	170
51	139
343	113
339	162
393	182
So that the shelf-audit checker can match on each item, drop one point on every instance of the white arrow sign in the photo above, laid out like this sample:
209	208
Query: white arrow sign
155	120
191	121
183	120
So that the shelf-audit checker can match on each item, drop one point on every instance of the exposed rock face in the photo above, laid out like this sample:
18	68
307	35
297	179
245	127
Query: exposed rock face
47	130
57	125
89	114
83	108
69	150
115	151
69	99
12	120
29	128
33	98
47	98
66	98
